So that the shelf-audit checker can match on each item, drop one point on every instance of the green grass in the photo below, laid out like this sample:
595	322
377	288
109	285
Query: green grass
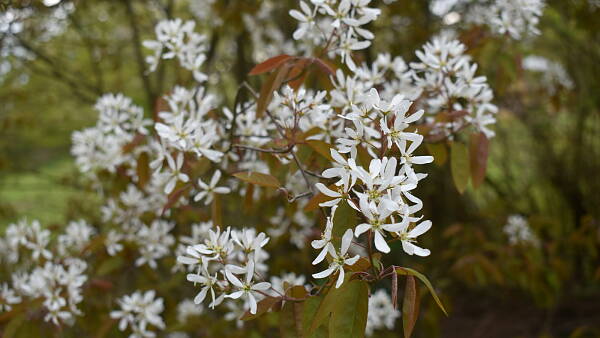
44	195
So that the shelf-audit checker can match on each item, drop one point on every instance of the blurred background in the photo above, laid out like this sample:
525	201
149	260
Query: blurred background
516	257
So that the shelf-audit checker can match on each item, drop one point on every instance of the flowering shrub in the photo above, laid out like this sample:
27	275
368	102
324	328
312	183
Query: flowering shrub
324	158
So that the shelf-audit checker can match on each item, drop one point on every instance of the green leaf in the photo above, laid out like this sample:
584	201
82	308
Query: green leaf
323	148
410	306
459	163
345	218
410	272
109	265
14	324
439	153
349	311
323	311
261	179
311	305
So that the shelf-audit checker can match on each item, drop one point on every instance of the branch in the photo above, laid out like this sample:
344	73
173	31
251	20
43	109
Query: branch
56	70
137	45
262	150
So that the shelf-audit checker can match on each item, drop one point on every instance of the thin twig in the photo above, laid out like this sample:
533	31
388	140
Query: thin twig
137	46
263	150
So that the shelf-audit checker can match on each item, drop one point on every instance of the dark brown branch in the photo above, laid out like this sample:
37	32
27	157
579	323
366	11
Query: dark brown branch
137	46
263	150
57	70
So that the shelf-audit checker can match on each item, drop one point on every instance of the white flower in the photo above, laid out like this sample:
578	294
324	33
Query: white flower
381	312
247	288
306	18
325	242
339	259
112	242
209	190
208	283
376	216
291	279
137	311
408	237
248	241
8	297
176	174
519	232
187	309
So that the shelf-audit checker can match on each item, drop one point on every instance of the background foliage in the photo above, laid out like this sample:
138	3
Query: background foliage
544	162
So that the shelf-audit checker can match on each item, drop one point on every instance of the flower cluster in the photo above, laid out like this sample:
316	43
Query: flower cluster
382	194
448	81
55	276
139	310
336	24
177	39
15	20
382	314
553	73
515	18
226	265
102	147
443	83
519	232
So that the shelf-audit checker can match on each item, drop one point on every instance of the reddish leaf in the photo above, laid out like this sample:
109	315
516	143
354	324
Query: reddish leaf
261	179
395	290
269	64
422	278
313	203
137	140
362	264
266	91
143	169
217	216
262	307
410	306
479	149
249	198
298	73
325	66
174	197
160	105
101	284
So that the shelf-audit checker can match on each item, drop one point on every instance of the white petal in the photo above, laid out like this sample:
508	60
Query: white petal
420	229
380	243
340	279
361	229
252	301
201	295
233	279
235	295
261	286
346	240
320	257
324	273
